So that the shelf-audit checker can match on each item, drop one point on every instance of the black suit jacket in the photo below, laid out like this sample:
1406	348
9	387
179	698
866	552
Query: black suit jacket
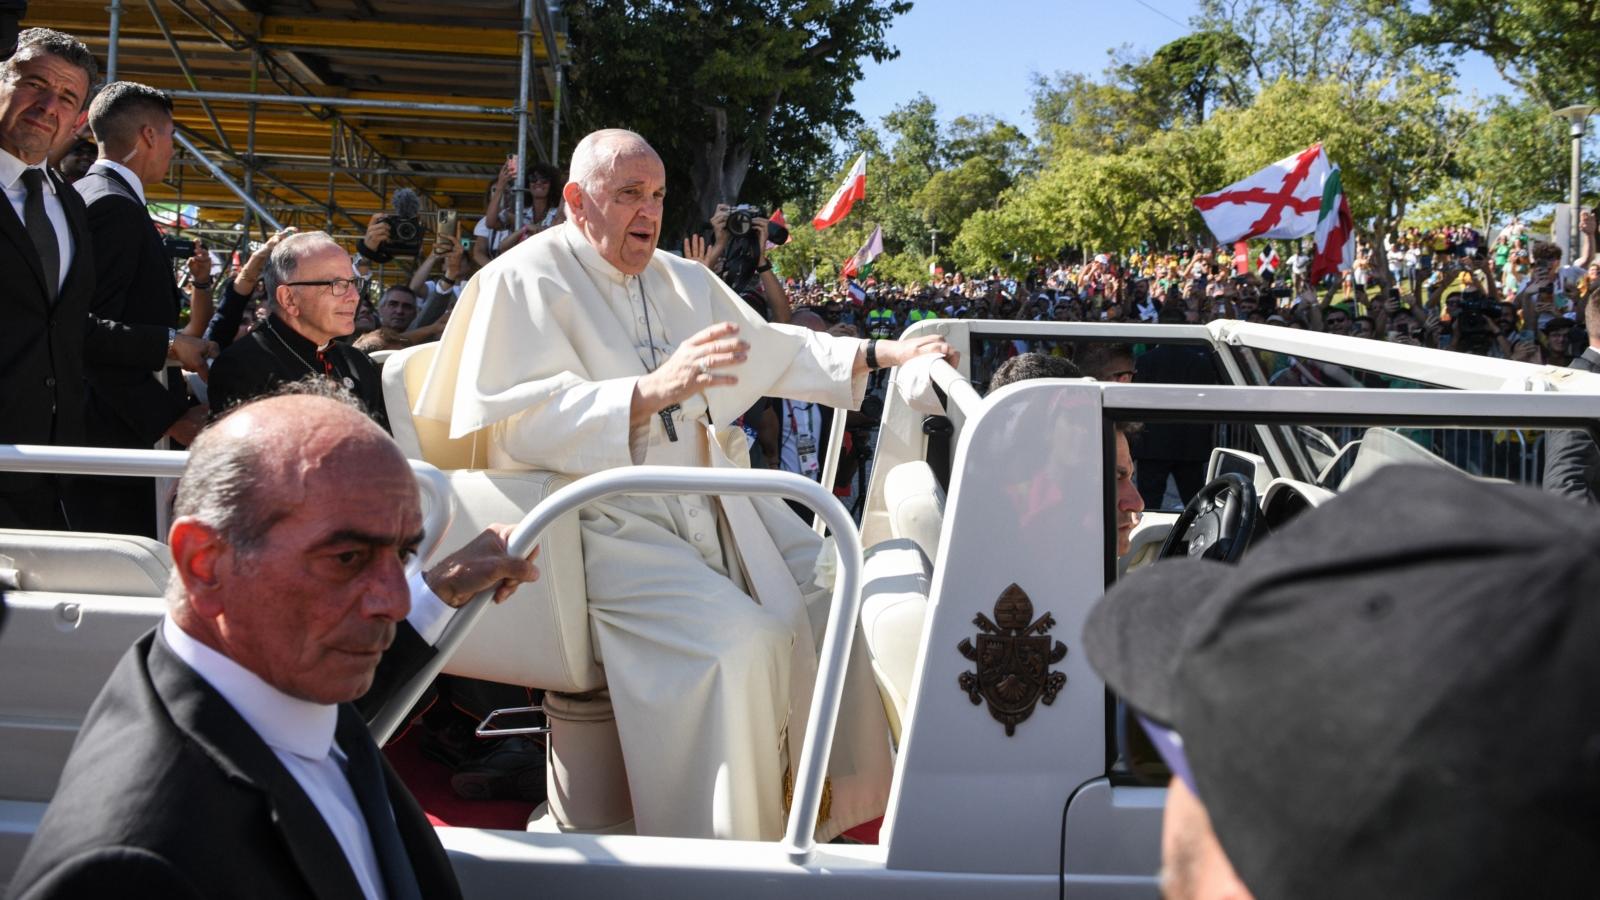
1174	364
274	354
134	285
169	793
1571	459
43	344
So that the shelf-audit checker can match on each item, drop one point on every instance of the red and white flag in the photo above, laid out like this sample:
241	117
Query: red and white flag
1336	231
1268	261
853	189
869	251
1280	201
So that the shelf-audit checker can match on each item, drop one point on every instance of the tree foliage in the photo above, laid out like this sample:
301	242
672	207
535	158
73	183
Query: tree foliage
1547	48
742	98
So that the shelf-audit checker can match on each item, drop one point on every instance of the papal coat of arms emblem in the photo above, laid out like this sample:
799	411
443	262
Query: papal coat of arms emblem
1014	655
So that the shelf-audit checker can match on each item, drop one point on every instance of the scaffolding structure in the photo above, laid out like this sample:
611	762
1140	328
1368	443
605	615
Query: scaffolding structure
311	112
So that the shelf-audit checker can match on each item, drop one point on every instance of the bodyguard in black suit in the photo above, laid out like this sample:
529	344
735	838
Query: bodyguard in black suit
128	405
1571	459
46	256
171	795
224	758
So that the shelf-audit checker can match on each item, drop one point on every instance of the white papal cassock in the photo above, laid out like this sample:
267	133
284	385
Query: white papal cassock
541	355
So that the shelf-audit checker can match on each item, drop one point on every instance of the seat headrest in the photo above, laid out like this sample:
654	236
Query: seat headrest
426	439
915	504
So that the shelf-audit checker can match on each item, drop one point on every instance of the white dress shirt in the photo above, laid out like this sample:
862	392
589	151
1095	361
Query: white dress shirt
11	170
300	732
127	175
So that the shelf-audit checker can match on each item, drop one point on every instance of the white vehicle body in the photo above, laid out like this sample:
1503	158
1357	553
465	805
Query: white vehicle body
973	811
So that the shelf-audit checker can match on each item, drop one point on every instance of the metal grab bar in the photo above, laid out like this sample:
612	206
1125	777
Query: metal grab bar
798	839
963	399
169	464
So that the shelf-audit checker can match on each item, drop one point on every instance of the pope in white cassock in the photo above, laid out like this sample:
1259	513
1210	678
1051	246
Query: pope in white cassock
584	348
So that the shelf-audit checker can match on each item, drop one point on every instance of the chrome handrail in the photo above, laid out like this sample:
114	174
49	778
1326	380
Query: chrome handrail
799	835
169	464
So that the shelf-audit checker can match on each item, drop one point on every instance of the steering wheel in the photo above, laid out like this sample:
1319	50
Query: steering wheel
1218	522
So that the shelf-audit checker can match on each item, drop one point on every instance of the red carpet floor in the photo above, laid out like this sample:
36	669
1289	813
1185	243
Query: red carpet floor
430	783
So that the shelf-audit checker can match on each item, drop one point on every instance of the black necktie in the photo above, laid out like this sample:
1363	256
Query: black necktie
366	781
41	231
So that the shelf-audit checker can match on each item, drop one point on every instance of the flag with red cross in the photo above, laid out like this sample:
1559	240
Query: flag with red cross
1280	201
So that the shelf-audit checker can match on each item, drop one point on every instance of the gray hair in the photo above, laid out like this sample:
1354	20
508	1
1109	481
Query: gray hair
122	108
56	43
223	482
285	259
597	154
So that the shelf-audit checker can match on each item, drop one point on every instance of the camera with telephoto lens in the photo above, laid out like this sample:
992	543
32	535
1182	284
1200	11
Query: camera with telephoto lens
177	247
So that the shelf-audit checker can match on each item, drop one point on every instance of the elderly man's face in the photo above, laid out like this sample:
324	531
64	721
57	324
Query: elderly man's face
312	609
321	312
622	217
41	103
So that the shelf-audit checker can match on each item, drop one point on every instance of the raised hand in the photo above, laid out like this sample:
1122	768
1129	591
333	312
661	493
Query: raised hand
693	367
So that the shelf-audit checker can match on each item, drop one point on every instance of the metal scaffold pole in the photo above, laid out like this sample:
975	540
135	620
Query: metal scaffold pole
523	83
116	28
223	179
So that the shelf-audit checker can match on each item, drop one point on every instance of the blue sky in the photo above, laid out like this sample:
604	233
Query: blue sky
977	57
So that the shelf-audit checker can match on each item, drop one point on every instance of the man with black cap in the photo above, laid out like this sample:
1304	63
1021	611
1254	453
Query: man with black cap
1386	703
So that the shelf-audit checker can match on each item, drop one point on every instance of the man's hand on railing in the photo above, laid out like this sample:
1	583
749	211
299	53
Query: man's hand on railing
484	562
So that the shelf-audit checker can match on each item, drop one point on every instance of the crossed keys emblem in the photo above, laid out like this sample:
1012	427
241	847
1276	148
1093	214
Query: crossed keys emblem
1013	656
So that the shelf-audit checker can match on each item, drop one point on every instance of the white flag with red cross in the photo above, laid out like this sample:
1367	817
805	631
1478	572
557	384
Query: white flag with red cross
1268	261
1280	201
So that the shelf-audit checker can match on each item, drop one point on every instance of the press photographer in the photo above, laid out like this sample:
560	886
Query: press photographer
738	254
391	235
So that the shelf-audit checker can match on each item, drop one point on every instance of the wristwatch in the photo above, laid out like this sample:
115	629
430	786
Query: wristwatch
763	268
872	354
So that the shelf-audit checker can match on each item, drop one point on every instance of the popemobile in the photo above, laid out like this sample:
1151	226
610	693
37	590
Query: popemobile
988	534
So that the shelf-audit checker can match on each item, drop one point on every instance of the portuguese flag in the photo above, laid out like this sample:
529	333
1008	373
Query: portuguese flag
1336	231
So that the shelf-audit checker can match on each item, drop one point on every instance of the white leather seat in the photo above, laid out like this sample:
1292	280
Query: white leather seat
69	562
915	504
540	636
895	583
897	578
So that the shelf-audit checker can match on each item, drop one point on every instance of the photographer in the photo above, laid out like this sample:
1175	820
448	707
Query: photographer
738	254
397	234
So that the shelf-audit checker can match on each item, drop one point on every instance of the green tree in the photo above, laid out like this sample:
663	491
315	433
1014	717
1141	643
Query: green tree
742	98
1547	48
1187	77
1513	158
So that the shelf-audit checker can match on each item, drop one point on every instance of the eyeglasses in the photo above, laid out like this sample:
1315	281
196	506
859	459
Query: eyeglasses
335	286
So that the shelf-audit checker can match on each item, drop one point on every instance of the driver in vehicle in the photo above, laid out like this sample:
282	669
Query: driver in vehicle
1382	704
585	349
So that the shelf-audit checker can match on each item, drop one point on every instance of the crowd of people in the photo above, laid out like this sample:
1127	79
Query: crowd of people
112	344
